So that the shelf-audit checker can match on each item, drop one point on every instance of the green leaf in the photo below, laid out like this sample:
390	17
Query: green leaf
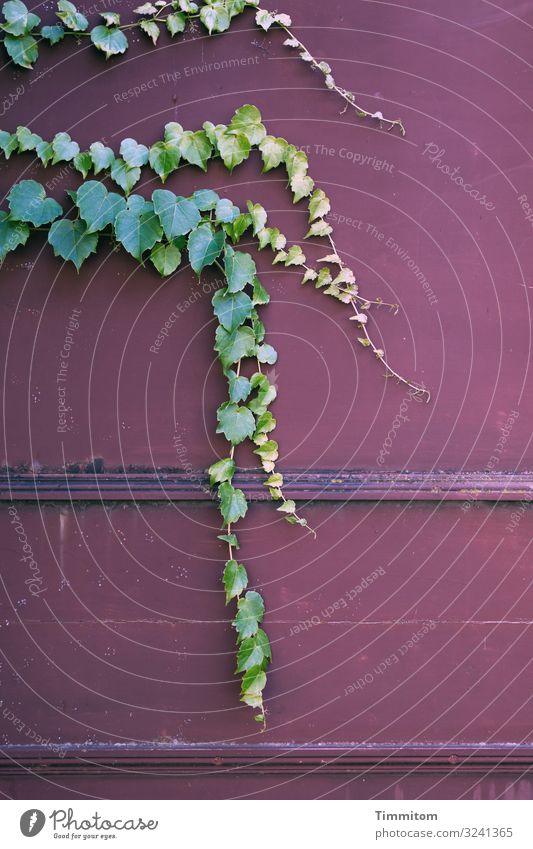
226	211
54	34
259	216
205	199
319	228
45	152
295	256
125	176
265	423
178	215
250	612
64	148
173	131
247	120
71	241
97	206
132	153
260	295
232	309
137	232
233	148
253	684
26	139
268	451
239	387
236	423
215	17
273	152
151	29
235	579
112	19
28	202
319	205
231	347
302	187
204	247
288	506
254	651
196	148
109	40
12	234
82	162
221	471
238	226
70	16
231	539
102	156
164	158
233	505
175	23
8	143
165	258
19	21
239	269
22	49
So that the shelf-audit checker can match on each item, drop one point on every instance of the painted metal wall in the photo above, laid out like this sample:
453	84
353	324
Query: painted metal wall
402	636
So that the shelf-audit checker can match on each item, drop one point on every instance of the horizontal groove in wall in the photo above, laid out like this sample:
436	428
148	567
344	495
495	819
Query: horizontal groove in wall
261	759
318	485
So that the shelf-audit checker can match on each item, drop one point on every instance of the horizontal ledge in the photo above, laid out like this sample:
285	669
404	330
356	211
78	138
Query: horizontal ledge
318	485
98	759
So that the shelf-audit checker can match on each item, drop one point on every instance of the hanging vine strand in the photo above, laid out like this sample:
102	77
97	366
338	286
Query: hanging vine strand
22	34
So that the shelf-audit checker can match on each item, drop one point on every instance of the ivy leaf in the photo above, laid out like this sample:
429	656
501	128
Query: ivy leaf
230	538
97	206
273	152
125	176
319	205
247	120
258	215
232	309
45	152
137	204
111	19
288	506
22	49
177	215
319	228
233	148
231	347
302	186
264	19
28	202
102	156
238	226
221	471
173	131
260	295
239	387
239	268
70	16
226	211
215	17
295	256
8	143
205	199
145	9
250	612
151	29
204	247
188	6
233	505
12	234
137	232
71	241
175	23
19	21
165	258
196	148
132	153
83	163
236	423
109	40
268	451
253	684
54	34
267	354
64	148
254	651
235	579
27	140
164	158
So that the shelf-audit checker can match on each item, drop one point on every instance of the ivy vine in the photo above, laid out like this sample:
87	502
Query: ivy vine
22	33
206	228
